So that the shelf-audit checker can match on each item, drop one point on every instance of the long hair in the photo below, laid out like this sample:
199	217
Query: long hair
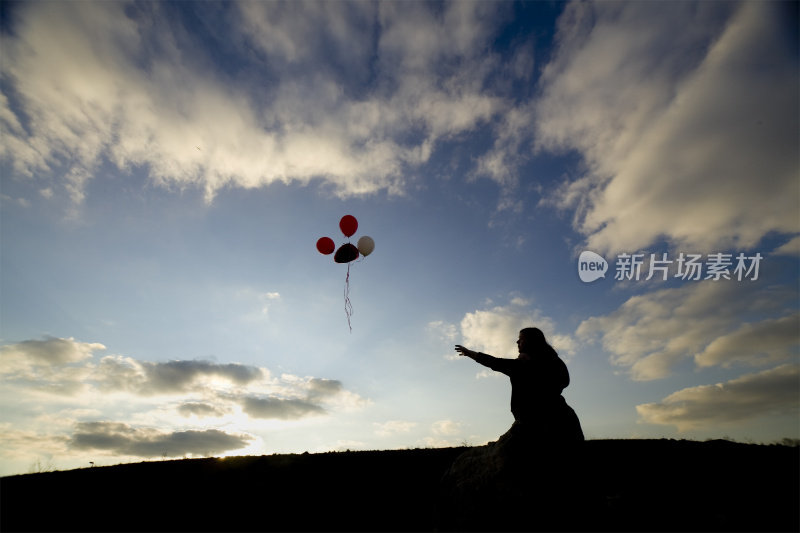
534	339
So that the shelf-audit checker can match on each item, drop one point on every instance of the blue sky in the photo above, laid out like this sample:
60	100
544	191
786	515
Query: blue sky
167	169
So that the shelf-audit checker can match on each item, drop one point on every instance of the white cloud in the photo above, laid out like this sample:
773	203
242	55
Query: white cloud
444	433
39	359
682	113
771	392
495	330
393	427
446	427
50	351
341	445
130	84
754	343
447	334
487	373
162	402
266	301
445	331
60	400
651	333
23	444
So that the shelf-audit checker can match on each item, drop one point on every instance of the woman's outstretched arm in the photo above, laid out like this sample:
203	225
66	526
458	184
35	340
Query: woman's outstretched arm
495	363
466	352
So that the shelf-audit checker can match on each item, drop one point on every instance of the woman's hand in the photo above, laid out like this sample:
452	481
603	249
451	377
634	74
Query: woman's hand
465	351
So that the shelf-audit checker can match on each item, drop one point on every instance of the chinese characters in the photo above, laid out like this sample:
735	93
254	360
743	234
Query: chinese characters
689	267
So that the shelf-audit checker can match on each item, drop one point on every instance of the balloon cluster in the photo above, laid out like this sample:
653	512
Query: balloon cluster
347	252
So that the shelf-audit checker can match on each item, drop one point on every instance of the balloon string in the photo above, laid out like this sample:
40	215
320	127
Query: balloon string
348	307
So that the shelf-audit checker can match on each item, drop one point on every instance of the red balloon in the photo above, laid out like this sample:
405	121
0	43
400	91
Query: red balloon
325	245
348	225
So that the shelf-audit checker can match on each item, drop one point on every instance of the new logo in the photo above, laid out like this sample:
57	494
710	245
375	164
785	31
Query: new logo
591	266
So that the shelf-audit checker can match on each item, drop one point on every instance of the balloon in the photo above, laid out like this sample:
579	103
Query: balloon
325	245
348	225
346	253
366	245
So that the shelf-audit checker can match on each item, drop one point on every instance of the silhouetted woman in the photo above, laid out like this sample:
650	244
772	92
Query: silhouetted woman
538	375
531	477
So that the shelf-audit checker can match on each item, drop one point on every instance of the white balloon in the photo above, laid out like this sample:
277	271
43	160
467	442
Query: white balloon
365	245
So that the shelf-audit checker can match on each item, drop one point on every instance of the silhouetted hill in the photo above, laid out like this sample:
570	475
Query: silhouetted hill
641	485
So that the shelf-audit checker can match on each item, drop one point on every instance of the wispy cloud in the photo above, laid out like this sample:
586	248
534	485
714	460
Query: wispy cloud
444	433
279	408
771	392
651	333
754	343
124	440
48	351
495	330
792	247
393	427
116	373
348	93
162	401
201	409
446	427
677	109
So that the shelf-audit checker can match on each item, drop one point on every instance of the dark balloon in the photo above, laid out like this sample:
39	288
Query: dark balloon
346	253
348	225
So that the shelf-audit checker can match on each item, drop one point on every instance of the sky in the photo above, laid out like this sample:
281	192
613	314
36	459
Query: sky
167	169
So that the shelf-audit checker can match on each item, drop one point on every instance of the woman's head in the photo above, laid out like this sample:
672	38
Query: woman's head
531	341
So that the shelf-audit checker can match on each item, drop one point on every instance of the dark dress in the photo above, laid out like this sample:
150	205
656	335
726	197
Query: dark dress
532	477
538	407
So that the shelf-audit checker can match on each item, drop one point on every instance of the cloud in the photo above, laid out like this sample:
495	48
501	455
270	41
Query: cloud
319	388
690	106
445	331
393	427
447	334
178	375
26	444
123	439
495	330
50	351
217	384
792	247
53	366
445	427
352	94
266	300
771	392
296	398
279	408
651	333
147	378
754	343
62	403
200	409
444	434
